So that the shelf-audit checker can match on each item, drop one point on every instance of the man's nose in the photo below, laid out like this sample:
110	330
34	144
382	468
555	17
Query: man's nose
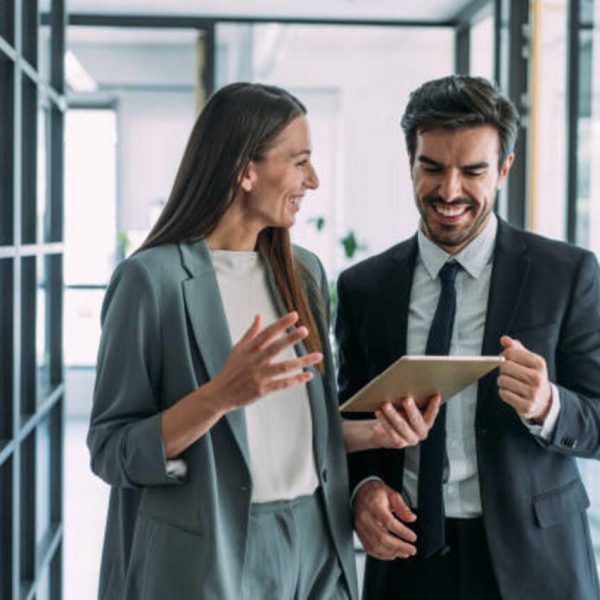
450	187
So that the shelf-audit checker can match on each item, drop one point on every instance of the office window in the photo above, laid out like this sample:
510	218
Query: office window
588	128
90	227
31	380
547	121
481	45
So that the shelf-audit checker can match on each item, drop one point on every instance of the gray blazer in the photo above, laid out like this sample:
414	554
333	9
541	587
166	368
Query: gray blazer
164	334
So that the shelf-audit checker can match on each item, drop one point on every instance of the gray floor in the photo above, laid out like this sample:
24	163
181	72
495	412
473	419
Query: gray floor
86	498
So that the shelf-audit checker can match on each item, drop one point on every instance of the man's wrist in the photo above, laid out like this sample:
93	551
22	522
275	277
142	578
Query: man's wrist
544	430
360	485
538	419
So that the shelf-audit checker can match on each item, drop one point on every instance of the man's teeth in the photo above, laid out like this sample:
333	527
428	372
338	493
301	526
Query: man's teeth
449	211
296	201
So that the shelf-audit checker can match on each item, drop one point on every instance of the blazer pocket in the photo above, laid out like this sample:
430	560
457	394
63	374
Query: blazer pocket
552	507
167	520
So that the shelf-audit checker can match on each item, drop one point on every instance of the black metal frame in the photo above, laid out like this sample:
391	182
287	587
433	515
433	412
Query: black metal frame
462	49
200	22
512	74
572	118
31	386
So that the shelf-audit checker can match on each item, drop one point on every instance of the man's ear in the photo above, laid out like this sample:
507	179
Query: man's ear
247	178
505	169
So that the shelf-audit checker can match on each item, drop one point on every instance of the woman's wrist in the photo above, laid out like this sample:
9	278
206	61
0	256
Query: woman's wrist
358	435
212	396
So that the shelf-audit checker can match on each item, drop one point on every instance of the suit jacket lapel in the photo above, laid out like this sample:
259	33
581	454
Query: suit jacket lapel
509	277
209	325
315	389
397	297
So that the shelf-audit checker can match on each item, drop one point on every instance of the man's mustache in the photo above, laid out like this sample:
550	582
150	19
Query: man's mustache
457	201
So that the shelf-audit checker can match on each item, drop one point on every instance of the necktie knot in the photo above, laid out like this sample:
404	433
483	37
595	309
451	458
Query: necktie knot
449	271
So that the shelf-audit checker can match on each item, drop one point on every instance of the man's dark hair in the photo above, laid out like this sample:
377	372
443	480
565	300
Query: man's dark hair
460	101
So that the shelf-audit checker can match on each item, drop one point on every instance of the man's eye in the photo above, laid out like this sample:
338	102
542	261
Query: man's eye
432	169
474	172
302	163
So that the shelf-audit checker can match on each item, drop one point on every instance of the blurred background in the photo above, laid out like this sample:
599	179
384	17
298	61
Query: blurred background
97	98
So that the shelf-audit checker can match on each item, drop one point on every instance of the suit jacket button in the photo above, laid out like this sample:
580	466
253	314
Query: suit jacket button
243	488
324	475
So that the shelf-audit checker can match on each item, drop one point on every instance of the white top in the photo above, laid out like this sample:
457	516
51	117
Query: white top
280	432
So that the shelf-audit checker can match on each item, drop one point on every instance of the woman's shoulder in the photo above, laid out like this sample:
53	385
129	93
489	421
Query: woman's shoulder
163	259
309	260
150	268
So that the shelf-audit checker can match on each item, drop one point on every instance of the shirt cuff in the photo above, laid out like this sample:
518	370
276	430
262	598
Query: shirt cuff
360	484
546	429
177	468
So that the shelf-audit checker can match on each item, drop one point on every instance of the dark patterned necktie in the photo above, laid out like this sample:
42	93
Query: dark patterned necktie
433	449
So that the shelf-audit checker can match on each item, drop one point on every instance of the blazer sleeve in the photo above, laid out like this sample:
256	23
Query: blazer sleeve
577	430
124	438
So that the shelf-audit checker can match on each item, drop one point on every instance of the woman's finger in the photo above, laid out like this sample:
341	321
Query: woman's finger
274	347
253	330
275	385
431	410
293	364
399	423
275	329
385	435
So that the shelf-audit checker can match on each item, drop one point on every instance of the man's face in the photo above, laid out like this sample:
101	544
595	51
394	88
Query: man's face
455	178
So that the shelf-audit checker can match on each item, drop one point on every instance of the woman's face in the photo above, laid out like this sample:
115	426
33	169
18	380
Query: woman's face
276	184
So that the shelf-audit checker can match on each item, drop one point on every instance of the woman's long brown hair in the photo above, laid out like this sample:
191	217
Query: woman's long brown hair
238	124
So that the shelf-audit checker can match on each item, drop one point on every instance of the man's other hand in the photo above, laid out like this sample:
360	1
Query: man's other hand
379	516
523	382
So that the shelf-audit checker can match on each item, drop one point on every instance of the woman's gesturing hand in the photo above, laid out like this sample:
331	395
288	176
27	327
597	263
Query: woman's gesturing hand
252	369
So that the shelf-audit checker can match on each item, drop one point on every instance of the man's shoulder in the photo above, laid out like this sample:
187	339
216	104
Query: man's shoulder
376	266
544	248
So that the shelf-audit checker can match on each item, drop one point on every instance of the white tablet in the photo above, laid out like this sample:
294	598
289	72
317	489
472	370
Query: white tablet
421	377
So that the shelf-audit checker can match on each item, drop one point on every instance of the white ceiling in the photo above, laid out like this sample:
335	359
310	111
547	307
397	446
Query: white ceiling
429	10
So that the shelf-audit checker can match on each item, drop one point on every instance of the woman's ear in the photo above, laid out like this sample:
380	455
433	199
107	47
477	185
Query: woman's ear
248	177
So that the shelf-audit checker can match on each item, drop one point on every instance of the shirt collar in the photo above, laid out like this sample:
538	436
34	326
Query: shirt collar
472	258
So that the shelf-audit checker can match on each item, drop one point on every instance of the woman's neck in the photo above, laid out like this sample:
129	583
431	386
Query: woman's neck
233	234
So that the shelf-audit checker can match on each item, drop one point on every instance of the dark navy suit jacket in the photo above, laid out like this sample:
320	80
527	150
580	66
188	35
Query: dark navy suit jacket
547	295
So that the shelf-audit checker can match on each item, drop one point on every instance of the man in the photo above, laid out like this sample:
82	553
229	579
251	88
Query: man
509	519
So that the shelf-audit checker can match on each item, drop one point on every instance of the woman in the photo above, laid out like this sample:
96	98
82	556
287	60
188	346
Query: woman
220	436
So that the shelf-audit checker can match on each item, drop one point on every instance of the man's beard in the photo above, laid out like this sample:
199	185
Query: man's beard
451	240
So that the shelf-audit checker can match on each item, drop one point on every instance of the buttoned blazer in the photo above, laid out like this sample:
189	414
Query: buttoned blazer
164	334
547	295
